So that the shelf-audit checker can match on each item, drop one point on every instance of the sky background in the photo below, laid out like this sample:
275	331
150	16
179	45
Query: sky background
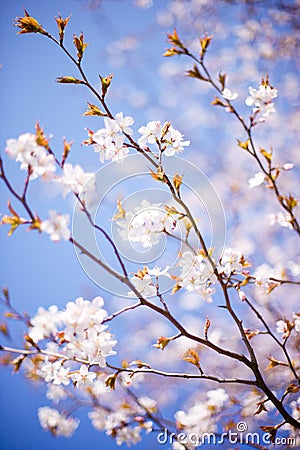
29	266
128	42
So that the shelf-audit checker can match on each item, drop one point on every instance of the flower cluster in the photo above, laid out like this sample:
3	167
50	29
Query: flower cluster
284	220
75	339
32	157
169	141
59	425
74	179
78	333
109	141
202	417
285	327
265	277
126	423
144	283
145	224
232	261
261	99
256	180
196	275
57	226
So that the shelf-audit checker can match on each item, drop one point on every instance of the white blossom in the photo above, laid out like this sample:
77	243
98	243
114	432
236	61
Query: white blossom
59	425
150	133
83	377
98	418
79	334
157	271
144	3
296	318
74	179
145	224
55	373
242	295
44	323
282	328
116	425
128	435
261	99
144	284
86	336
56	393
109	141
26	151
124	123
287	166
148	403
57	226
262	274
169	140
202	417
177	446
295	406
231	261
116	150
281	219
172	142
257	180
217	398
194	275
229	95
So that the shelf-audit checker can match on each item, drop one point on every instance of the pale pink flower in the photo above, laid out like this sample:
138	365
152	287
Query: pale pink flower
261	99
57	226
58	424
229	95
257	180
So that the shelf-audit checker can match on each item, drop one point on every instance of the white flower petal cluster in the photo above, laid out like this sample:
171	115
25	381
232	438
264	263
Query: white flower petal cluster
26	151
257	180
296	318
59	425
55	393
169	140
79	332
263	275
295	406
144	284
158	272
196	275
83	377
202	417
55	373
44	324
250	402
229	95
281	219
120	423
231	262
261	99
109	141
145	224
75	179
57	226
282	327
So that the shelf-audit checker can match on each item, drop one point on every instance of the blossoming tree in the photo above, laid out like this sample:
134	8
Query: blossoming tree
160	247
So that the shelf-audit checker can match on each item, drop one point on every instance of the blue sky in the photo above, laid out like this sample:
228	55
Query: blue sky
28	261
